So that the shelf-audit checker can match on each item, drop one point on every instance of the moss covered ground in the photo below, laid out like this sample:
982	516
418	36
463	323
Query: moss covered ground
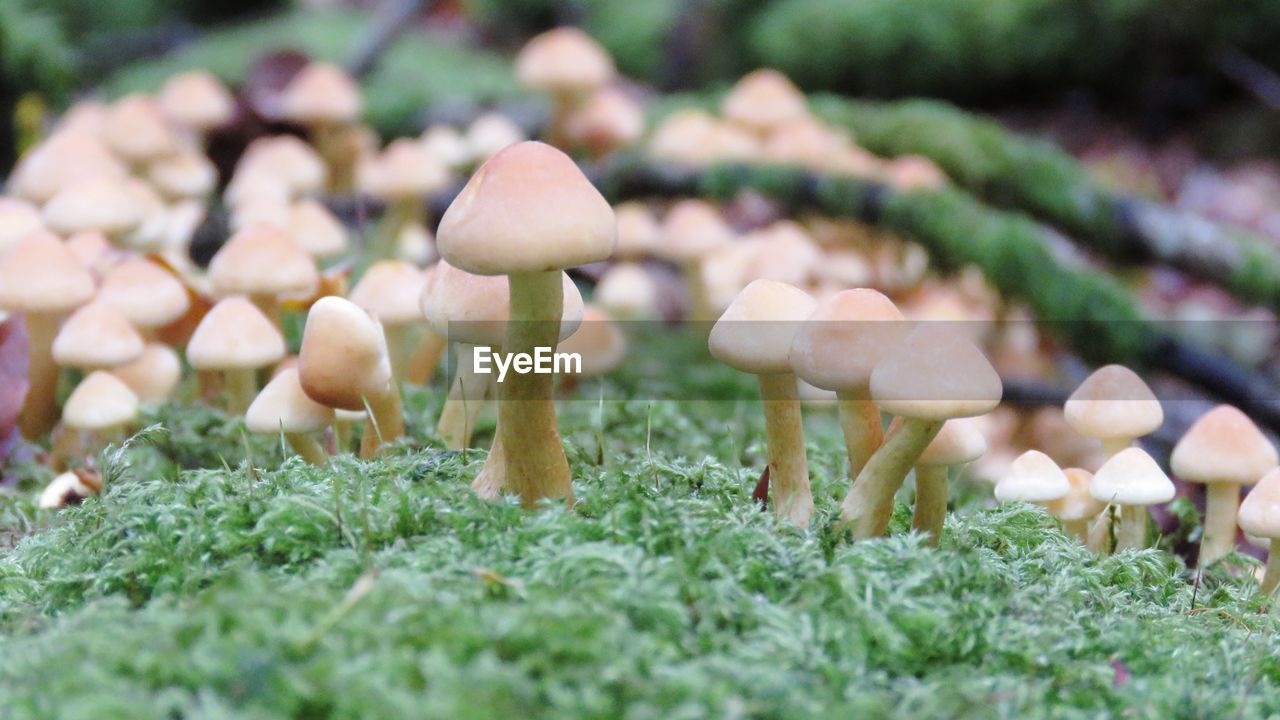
211	580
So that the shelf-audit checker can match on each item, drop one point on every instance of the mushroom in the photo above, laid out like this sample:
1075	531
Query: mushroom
754	335
324	98
569	65
285	161
187	174
1132	480
147	295
236	339
1033	477
389	290
403	176
837	348
18	218
1222	450
261	262
1260	516
598	342
100	405
528	213
959	442
99	203
447	143
69	488
60	159
153	375
198	101
314	228
628	292
283	407
762	100
610	119
691	230
344	364
43	280
491	133
1115	406
96	336
1078	507
936	374
137	130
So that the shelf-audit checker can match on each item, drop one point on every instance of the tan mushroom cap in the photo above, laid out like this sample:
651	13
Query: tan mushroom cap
1078	503
96	336
563	60
844	339
100	203
609	119
755	333
627	291
446	143
283	159
344	355
914	172
936	373
18	218
1113	403
60	159
149	235
692	228
638	230
763	99
321	93
316	230
136	129
94	251
234	335
154	375
197	99
282	406
474	309
598	341
404	170
1259	512
146	294
1033	477
99	402
528	209
1131	477
261	259
1223	446
491	133
40	274
786	253
183	175
960	441
389	291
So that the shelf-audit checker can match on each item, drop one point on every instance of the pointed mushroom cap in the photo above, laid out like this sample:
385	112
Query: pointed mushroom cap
692	228
1113	402
628	292
40	274
528	209
1131	477
1259	512
136	129
282	406
315	229
564	59
608	120
845	338
755	333
959	441
936	373
474	309
234	334
321	93
283	159
1078	503
18	218
491	133
1033	477
763	99
197	99
389	291
405	169
638	230
187	174
60	159
261	259
99	402
96	336
344	358
154	375
98	203
144	293
598	341
447	144
1223	446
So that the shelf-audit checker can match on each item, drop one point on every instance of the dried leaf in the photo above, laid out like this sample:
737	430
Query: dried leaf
761	493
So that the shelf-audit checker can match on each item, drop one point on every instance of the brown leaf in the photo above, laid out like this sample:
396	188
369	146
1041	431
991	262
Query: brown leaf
13	379
761	494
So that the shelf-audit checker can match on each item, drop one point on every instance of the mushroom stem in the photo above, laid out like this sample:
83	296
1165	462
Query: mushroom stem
422	366
1078	529
466	399
400	348
241	385
1222	502
863	433
328	141
536	466
788	464
342	431
1132	532
40	409
385	423
699	295
1111	446
307	447
492	478
1271	578
868	506
931	501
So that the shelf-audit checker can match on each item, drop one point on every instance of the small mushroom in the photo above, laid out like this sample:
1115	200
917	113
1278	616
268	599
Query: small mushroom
324	98
403	175
1132	480
1033	477
1260	516
235	339
1115	406
18	218
153	375
690	231
262	263
69	488
1222	450
754	335
102	406
1078	507
136	129
283	407
959	442
598	342
763	100
99	203
389	290
95	337
147	295
197	101
314	228
569	65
